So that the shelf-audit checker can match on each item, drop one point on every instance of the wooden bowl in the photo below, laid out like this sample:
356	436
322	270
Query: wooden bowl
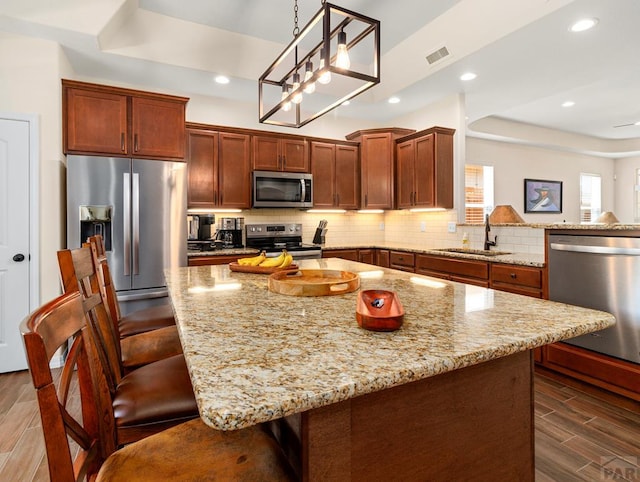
379	310
313	282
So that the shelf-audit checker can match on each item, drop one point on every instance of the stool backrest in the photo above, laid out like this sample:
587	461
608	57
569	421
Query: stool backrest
108	289
44	332
78	273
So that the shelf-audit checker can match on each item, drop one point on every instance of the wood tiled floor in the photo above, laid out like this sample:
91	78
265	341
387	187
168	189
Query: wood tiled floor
576	435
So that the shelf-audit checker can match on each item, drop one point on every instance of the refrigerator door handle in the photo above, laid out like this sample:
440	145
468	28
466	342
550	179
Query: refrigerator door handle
126	221
135	212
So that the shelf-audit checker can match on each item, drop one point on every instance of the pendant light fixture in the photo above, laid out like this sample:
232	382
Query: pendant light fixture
345	46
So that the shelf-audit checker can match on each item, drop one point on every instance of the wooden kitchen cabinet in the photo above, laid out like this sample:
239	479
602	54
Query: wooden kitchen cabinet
366	256
218	169
377	166
455	269
279	153
349	254
103	120
424	169
215	259
402	260
382	258
522	280
336	175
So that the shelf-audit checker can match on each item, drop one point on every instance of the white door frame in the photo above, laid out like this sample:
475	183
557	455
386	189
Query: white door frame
34	203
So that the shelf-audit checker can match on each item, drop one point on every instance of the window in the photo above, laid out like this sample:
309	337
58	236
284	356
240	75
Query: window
478	193
590	197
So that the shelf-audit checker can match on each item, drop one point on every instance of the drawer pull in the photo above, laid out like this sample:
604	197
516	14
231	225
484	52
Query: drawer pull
513	276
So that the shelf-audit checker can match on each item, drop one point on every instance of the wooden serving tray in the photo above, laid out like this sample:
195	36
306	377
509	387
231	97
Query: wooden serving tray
260	269
314	282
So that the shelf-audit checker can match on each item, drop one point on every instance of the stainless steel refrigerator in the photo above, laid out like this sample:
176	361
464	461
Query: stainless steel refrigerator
139	207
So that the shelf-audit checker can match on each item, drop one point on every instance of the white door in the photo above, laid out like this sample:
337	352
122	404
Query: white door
15	282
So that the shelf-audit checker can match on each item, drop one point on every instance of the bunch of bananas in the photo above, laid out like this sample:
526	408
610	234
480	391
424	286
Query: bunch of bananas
255	261
282	261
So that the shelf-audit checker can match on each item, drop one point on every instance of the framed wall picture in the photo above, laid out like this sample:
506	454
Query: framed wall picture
542	196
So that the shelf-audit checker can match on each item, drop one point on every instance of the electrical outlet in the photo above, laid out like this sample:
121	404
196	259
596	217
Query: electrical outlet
452	227
423	226
381	226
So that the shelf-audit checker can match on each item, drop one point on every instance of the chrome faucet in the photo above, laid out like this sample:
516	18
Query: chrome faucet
487	242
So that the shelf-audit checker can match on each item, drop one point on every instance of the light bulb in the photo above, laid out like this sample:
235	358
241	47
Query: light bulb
297	94
325	75
342	57
285	93
310	88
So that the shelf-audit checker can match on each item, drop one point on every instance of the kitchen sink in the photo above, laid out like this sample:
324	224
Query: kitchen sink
481	252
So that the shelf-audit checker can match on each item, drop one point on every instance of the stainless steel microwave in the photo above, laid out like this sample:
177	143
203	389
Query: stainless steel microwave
282	190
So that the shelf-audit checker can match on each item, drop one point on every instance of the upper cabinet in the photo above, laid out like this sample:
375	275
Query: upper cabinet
219	169
377	165
336	175
424	171
105	120
279	153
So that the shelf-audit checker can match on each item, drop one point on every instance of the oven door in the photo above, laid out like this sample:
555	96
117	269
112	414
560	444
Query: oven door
282	189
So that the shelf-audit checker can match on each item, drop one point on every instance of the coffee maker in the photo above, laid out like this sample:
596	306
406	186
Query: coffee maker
199	235
230	232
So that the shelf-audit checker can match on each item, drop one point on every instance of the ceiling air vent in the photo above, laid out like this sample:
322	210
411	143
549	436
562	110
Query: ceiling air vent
439	54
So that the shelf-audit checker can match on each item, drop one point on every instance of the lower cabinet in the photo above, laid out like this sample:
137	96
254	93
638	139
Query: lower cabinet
454	269
522	280
348	254
402	260
382	258
609	373
366	256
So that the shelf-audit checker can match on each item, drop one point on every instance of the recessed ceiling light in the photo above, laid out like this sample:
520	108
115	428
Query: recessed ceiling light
394	100
583	24
568	103
636	123
468	76
222	79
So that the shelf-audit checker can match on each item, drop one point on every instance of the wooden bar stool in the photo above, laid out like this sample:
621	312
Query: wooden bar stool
140	321
79	272
150	398
191	451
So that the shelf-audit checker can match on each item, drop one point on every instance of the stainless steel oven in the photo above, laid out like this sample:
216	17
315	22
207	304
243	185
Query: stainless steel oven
273	238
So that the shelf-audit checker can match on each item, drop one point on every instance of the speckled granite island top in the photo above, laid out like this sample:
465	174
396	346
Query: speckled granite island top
254	355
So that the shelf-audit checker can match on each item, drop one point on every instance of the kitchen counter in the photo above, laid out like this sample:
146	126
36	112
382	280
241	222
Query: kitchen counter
223	252
256	356
523	259
232	328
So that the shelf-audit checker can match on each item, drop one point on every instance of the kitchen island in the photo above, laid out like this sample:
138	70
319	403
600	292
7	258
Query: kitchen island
448	396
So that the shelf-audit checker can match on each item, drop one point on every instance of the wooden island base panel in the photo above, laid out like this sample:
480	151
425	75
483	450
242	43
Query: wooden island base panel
448	427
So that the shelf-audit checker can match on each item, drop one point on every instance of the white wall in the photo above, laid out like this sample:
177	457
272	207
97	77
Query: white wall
30	84
514	162
625	181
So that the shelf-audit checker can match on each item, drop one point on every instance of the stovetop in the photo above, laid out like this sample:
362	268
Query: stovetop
277	236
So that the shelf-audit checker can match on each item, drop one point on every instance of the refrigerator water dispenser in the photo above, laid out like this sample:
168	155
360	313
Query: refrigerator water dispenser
96	220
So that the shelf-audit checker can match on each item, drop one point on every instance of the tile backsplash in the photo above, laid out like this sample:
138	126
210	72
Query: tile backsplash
425	229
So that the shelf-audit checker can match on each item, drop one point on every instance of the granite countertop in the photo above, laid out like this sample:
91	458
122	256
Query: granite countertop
223	252
523	259
254	355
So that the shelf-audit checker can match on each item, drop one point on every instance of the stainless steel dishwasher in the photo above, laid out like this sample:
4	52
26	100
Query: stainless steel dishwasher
603	273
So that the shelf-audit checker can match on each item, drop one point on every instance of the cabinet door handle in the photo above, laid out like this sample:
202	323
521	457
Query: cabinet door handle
415	198
215	197
122	141
411	198
366	201
135	142
338	196
513	276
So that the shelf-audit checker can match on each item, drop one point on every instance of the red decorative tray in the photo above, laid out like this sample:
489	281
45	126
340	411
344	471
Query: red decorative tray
260	269
379	310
